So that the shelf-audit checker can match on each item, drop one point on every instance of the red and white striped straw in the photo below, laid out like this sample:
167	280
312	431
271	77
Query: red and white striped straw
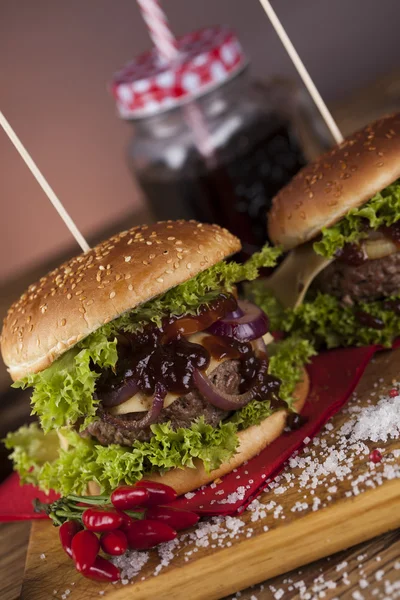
159	31
165	42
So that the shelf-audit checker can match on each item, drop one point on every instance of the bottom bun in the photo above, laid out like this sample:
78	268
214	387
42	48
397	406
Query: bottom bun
251	441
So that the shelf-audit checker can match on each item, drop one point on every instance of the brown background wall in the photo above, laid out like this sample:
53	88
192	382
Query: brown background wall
56	58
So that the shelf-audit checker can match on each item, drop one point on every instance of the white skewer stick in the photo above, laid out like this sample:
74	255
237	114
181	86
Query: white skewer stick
298	63
43	183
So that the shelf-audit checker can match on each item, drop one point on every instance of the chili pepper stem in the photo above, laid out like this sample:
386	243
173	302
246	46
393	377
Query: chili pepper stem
89	499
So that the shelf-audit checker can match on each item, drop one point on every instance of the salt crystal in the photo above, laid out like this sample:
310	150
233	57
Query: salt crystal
378	423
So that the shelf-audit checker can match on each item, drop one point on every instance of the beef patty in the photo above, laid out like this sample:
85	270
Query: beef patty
372	280
181	413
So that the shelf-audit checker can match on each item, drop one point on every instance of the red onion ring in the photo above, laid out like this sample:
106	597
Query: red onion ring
151	416
251	325
218	398
121	394
230	401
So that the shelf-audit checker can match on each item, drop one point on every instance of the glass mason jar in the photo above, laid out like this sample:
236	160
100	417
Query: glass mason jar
251	152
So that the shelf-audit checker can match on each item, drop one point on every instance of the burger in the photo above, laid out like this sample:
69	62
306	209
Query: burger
339	221
143	363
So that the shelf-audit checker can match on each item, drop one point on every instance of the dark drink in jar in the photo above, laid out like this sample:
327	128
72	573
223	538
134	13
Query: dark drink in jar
237	192
225	168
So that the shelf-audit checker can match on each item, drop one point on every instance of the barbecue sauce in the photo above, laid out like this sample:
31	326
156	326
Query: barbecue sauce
393	305
369	320
164	355
295	421
392	232
354	254
351	254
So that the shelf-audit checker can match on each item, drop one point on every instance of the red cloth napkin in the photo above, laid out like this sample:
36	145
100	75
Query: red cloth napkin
334	375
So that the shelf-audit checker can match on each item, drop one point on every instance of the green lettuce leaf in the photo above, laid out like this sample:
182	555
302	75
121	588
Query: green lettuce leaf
382	209
287	360
32	449
325	321
252	414
265	299
39	459
63	393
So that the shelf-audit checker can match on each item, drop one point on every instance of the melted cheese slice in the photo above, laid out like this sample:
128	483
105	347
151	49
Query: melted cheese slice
293	277
140	402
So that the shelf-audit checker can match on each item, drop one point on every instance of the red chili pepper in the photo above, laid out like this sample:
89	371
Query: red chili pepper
159	492
126	521
114	542
393	393
175	518
102	570
97	519
146	534
85	548
67	532
375	456
127	497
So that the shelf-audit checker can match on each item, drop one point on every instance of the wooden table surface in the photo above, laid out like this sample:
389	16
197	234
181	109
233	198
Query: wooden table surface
369	570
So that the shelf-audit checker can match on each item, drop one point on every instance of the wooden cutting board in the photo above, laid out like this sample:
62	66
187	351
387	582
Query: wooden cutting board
285	531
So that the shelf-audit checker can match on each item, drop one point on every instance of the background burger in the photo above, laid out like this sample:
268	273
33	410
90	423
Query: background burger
143	361
340	219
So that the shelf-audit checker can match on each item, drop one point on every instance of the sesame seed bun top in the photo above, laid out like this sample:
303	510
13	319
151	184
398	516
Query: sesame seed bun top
96	287
346	177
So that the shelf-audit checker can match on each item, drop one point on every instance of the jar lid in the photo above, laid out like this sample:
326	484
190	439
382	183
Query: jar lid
148	85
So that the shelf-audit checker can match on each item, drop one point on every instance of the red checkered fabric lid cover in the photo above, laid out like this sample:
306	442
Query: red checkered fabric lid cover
148	85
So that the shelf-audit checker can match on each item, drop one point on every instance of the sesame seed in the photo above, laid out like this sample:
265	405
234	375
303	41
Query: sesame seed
149	243
112	295
127	258
189	266
130	287
160	279
171	238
